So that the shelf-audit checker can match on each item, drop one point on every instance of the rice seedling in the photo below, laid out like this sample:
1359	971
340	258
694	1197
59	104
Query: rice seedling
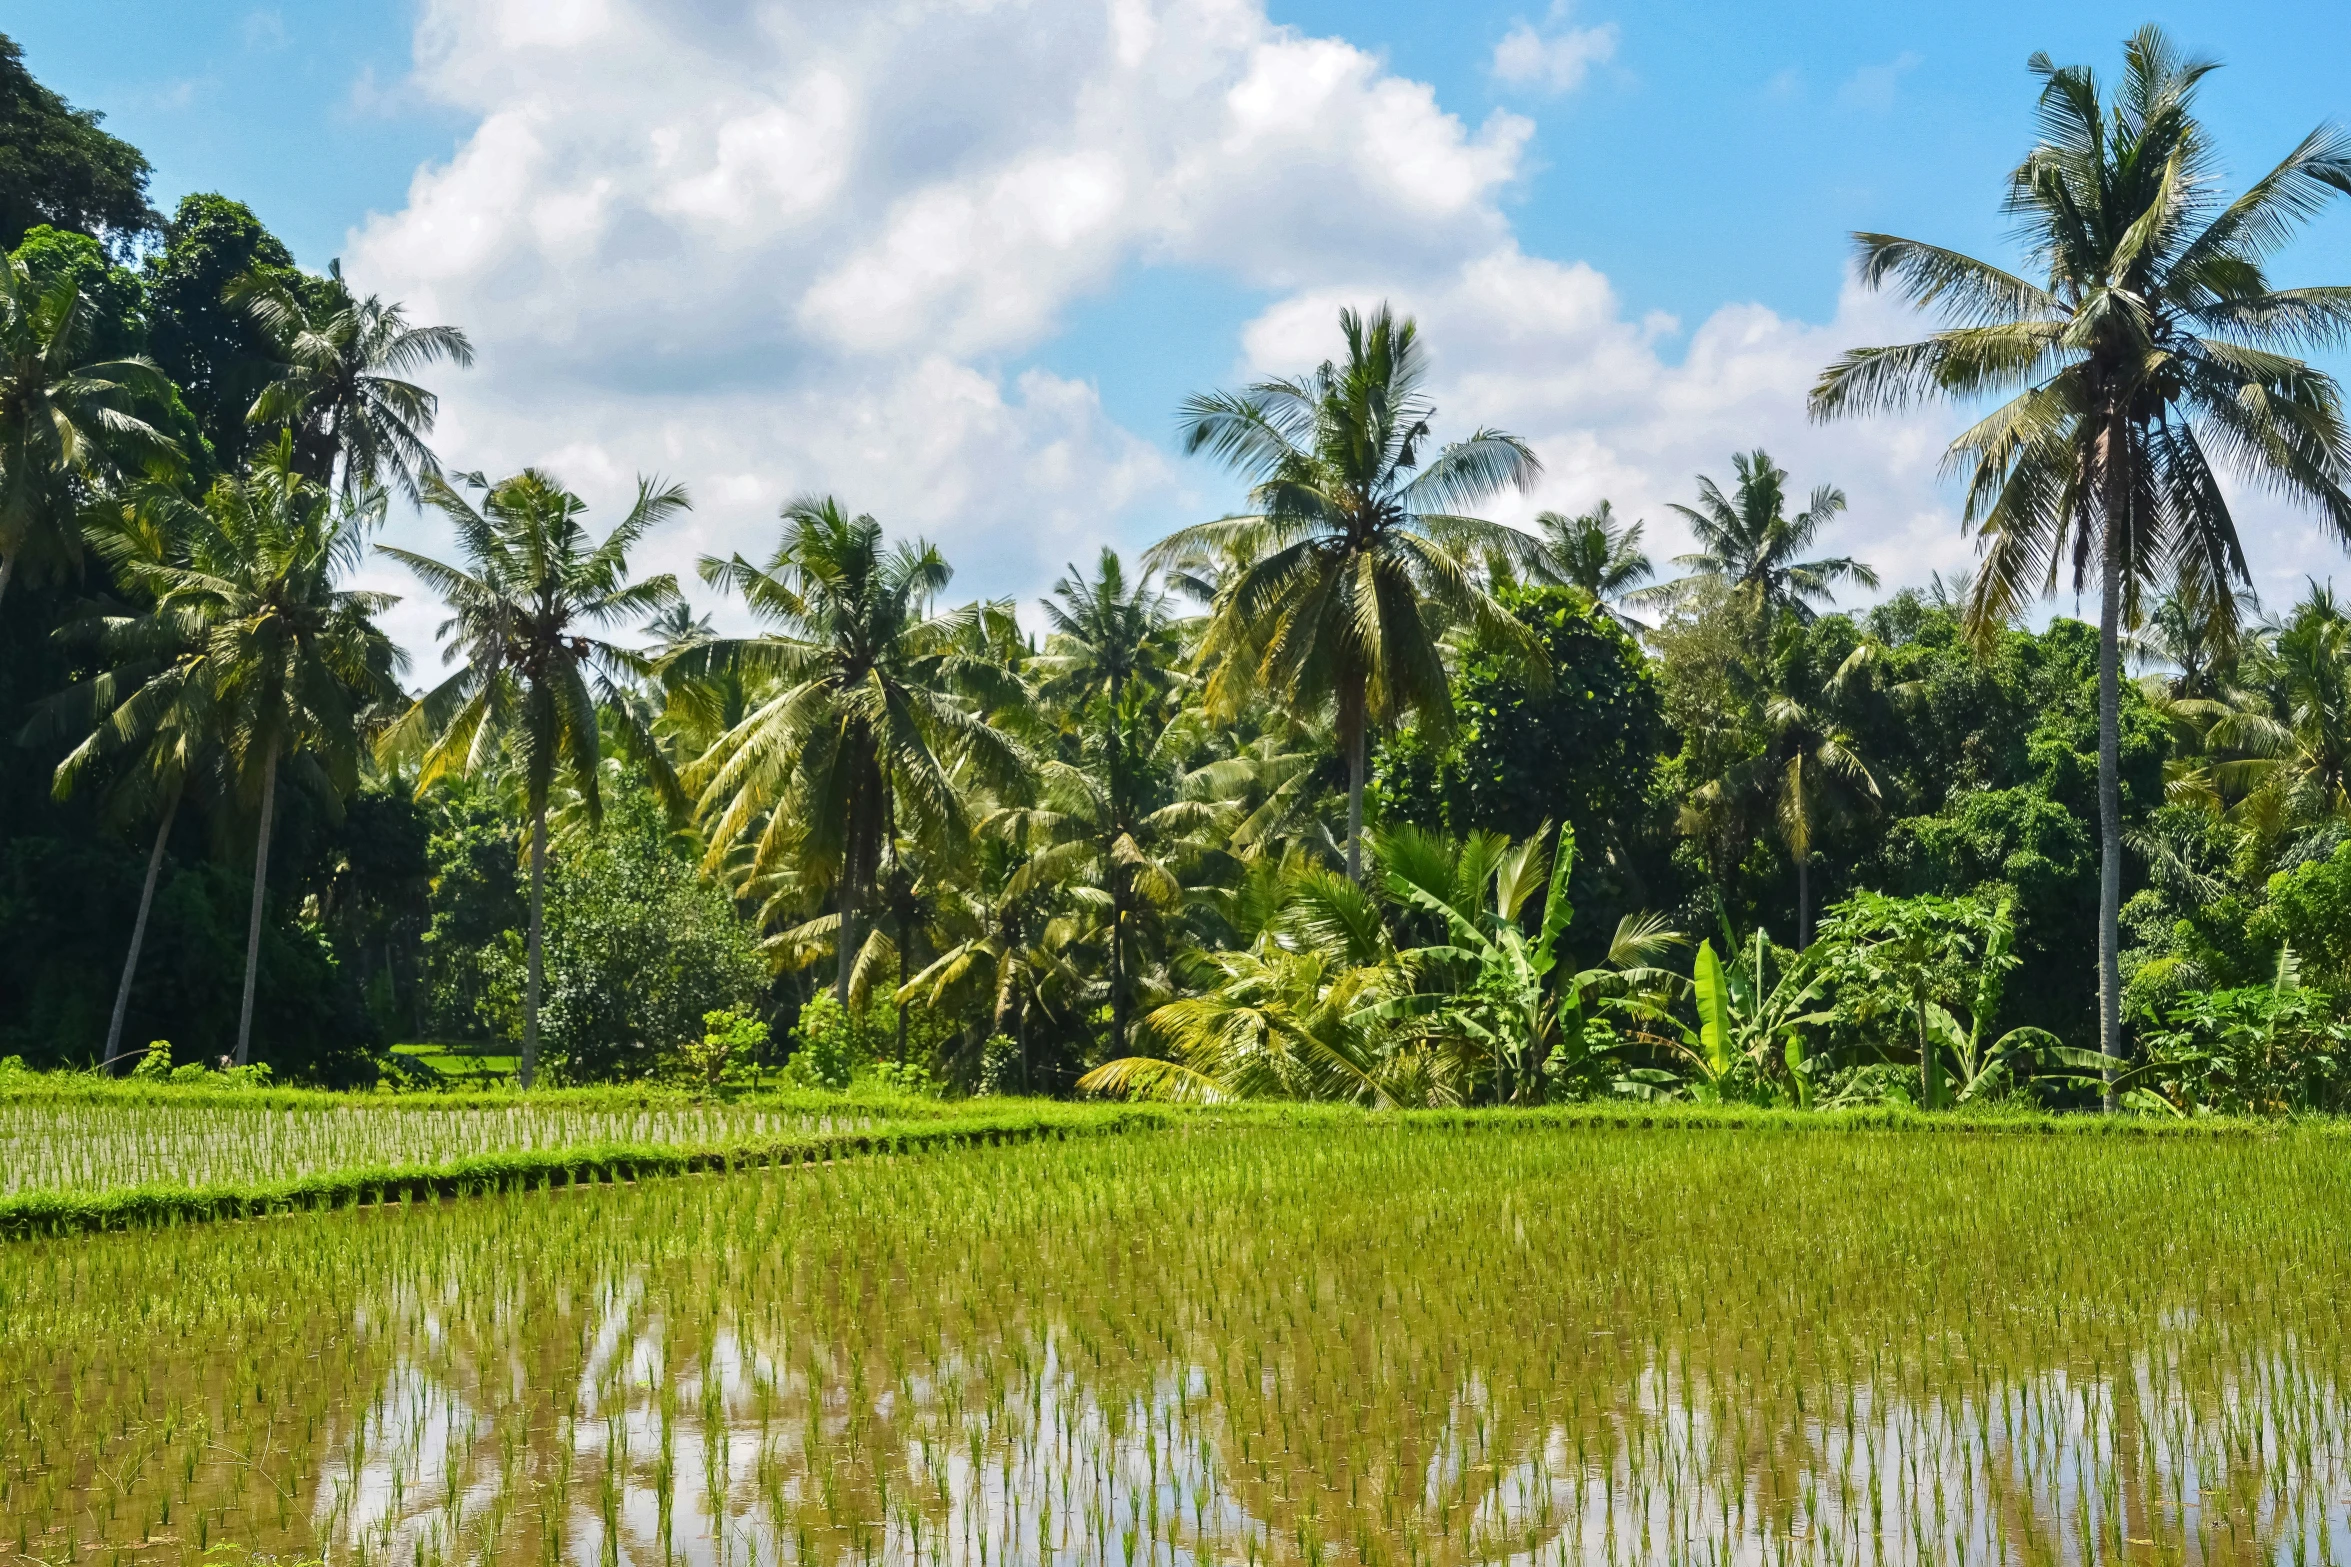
1406	1344
104	1147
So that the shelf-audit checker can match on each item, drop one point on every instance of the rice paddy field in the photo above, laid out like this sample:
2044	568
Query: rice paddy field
100	1146
1365	1341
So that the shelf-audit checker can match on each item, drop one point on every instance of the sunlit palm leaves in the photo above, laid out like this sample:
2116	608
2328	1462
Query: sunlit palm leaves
268	658
1748	541
524	611
1358	551
2153	352
64	418
871	720
339	383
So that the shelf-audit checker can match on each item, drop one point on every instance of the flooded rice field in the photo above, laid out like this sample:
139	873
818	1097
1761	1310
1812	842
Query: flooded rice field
1378	1345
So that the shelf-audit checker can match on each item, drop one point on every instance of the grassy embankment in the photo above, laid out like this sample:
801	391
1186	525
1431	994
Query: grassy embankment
94	1154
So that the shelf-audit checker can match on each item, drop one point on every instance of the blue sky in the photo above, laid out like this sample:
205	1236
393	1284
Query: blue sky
960	265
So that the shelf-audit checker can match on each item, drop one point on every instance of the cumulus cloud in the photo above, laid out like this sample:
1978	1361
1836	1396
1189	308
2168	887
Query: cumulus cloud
1547	350
1872	88
775	246
770	247
1556	57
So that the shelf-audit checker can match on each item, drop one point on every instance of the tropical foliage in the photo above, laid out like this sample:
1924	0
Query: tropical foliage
1364	793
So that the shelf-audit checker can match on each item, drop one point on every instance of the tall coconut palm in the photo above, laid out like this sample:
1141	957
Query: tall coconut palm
867	723
1594	552
1810	775
523	612
64	417
2287	761
2153	345
1108	652
146	718
289	663
339	381
1748	541
1356	551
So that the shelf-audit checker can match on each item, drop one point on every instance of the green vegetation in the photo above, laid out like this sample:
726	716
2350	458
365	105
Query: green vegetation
1357	796
1416	1341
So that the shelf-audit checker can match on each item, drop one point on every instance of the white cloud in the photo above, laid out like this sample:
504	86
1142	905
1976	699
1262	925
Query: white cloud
1546	350
1872	88
1556	57
768	246
772	246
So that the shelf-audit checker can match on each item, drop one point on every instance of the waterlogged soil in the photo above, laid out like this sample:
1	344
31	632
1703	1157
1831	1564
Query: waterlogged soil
1374	1345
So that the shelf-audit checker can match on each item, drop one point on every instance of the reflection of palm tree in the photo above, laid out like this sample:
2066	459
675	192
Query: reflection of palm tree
1353	543
2155	338
1747	541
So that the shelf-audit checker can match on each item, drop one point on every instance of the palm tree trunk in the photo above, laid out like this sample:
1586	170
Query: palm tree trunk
846	941
1118	974
1353	736
269	801
7	570
2110	775
1803	901
130	964
538	953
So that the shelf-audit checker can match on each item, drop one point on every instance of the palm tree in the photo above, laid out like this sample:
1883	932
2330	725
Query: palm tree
338	383
521	616
868	721
1355	550
1811	774
2155	341
63	417
1109	651
1594	552
283	664
2291	766
149	703
1748	541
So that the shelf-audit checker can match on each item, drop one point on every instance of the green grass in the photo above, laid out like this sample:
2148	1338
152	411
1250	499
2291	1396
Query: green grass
1298	1338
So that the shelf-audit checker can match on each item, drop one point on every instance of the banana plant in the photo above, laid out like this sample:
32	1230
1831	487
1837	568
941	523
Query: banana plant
1522	1000
1747	1018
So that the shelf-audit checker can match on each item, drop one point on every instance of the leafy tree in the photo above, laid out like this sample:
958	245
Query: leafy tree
57	166
65	418
1294	1015
1585	746
1536	1017
637	950
147	719
867	717
290	662
212	349
1352	543
1919	965
1747	541
2286	762
2155	341
1108	653
521	613
338	380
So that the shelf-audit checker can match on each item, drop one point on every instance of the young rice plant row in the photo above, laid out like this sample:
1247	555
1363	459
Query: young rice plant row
1404	1345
